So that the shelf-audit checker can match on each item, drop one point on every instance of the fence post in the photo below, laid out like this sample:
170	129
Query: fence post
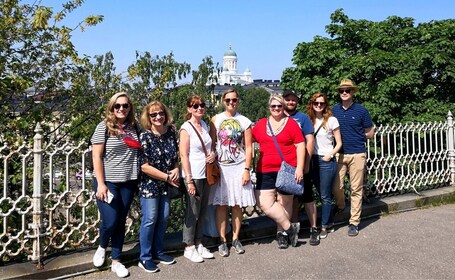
37	198
451	148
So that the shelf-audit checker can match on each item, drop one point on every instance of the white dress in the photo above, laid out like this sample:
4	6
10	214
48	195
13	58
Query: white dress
230	148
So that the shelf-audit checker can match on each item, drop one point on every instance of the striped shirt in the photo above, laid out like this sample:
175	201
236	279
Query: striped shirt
120	162
353	122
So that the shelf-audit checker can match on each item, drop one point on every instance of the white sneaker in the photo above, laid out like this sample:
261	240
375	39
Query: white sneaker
204	252
99	257
119	269
192	254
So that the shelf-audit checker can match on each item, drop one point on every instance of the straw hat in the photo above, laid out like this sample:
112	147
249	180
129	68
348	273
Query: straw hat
347	84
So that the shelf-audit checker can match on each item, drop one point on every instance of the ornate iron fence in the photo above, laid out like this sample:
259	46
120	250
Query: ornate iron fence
47	205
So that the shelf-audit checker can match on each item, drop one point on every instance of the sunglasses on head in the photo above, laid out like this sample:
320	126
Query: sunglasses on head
154	115
275	106
196	106
348	91
228	100
318	103
118	106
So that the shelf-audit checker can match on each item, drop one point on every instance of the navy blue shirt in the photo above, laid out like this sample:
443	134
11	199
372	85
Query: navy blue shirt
353	122
304	122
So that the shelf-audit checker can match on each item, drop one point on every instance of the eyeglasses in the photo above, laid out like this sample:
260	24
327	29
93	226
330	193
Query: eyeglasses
118	106
196	106
275	106
318	103
348	91
228	100
154	115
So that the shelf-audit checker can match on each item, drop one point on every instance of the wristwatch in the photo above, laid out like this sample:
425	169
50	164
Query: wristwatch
331	155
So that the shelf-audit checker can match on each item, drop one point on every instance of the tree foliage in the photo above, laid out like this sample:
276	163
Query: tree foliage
254	103
405	72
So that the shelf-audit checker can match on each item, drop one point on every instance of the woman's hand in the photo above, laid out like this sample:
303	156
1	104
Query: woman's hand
191	188
101	191
327	158
210	157
246	177
174	175
298	175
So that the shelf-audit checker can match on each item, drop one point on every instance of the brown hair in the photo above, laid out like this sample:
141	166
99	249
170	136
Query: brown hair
191	100
326	113
145	118
229	90
111	120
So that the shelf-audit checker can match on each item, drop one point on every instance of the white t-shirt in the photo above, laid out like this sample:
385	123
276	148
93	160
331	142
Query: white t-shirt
324	140
230	132
196	153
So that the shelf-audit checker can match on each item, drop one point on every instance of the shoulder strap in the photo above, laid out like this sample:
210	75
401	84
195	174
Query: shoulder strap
316	133
200	138
274	140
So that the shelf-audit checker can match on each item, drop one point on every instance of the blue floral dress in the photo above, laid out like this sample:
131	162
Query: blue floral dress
159	151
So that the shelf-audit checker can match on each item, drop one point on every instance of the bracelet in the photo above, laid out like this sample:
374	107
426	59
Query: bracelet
191	181
167	178
247	168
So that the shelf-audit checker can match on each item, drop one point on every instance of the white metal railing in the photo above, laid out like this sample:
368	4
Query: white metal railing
46	209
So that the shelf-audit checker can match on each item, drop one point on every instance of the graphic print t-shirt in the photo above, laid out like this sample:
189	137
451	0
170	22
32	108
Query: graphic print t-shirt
230	146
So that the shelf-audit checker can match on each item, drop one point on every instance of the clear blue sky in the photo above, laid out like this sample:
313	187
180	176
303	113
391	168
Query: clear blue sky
263	33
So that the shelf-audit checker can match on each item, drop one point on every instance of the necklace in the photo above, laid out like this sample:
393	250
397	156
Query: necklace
280	127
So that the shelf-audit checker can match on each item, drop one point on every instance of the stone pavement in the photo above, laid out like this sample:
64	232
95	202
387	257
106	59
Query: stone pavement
416	244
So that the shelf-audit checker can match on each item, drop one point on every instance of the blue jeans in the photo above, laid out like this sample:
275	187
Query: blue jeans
323	174
155	212
113	215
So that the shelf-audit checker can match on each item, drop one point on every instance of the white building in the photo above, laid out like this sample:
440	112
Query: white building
228	75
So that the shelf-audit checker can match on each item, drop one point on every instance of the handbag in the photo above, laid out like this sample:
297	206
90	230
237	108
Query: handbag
174	192
285	179
212	170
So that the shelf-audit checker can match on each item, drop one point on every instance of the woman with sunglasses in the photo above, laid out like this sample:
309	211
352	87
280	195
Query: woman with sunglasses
115	150
275	204
159	165
231	133
324	166
193	160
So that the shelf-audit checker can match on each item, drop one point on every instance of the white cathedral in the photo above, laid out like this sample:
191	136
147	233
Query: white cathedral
228	75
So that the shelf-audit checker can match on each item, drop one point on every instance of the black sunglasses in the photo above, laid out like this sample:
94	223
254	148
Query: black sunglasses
196	106
318	103
118	106
161	113
228	100
274	106
348	91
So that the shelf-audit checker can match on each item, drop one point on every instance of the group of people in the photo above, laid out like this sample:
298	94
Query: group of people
153	157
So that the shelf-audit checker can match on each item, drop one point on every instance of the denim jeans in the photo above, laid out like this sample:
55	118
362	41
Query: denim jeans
196	210
155	212
323	173
113	215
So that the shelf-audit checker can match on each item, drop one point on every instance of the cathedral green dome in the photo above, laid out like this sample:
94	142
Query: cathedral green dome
230	52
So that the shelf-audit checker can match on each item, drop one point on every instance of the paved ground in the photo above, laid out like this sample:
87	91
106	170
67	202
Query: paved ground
417	244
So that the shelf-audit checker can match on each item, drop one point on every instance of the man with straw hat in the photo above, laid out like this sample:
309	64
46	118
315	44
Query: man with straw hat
355	127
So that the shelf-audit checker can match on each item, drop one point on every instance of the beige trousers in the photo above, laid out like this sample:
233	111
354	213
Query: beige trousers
354	164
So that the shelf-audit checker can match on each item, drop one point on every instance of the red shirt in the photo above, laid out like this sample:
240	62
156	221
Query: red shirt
269	158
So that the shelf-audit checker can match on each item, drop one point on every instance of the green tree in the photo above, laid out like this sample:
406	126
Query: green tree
405	72
253	103
37	62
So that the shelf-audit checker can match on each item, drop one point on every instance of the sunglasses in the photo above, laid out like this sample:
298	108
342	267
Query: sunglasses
275	106
318	103
196	106
228	100
348	91
118	106
154	115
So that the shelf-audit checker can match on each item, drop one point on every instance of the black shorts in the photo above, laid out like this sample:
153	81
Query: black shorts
266	181
307	195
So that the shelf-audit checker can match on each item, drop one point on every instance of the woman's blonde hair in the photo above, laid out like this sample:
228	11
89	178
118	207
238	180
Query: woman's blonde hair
155	105
326	113
276	97
190	102
111	120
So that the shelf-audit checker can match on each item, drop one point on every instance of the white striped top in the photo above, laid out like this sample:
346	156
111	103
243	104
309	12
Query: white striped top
120	162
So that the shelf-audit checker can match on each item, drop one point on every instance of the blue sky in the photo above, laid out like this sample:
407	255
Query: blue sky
263	33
